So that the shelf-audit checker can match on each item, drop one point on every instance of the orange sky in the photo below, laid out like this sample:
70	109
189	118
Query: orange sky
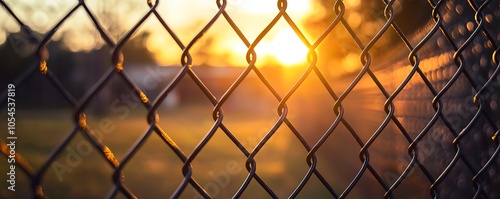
185	17
251	17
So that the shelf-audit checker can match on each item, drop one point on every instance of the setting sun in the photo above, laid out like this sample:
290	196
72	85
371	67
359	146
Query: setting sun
286	48
281	46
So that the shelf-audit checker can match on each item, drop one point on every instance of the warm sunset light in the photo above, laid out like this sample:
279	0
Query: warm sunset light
286	48
249	99
279	46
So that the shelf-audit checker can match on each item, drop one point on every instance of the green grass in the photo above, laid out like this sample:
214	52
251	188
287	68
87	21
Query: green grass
155	170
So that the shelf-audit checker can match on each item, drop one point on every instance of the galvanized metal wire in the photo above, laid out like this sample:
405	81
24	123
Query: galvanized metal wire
443	37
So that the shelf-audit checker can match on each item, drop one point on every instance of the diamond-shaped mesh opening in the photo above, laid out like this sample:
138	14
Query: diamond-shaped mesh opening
278	157
189	121
116	122
220	167
310	109
339	175
160	161
250	104
73	166
108	14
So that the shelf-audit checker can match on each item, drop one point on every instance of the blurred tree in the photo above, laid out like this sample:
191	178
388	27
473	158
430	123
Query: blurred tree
366	18
77	70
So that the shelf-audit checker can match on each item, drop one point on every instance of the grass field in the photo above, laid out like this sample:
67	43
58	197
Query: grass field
80	171
155	171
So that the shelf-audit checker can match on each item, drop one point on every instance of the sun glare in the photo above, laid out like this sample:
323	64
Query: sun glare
287	48
281	46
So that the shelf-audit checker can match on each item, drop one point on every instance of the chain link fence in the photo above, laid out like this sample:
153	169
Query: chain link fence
419	118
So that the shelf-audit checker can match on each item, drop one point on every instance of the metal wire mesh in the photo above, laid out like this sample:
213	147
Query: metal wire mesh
440	105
